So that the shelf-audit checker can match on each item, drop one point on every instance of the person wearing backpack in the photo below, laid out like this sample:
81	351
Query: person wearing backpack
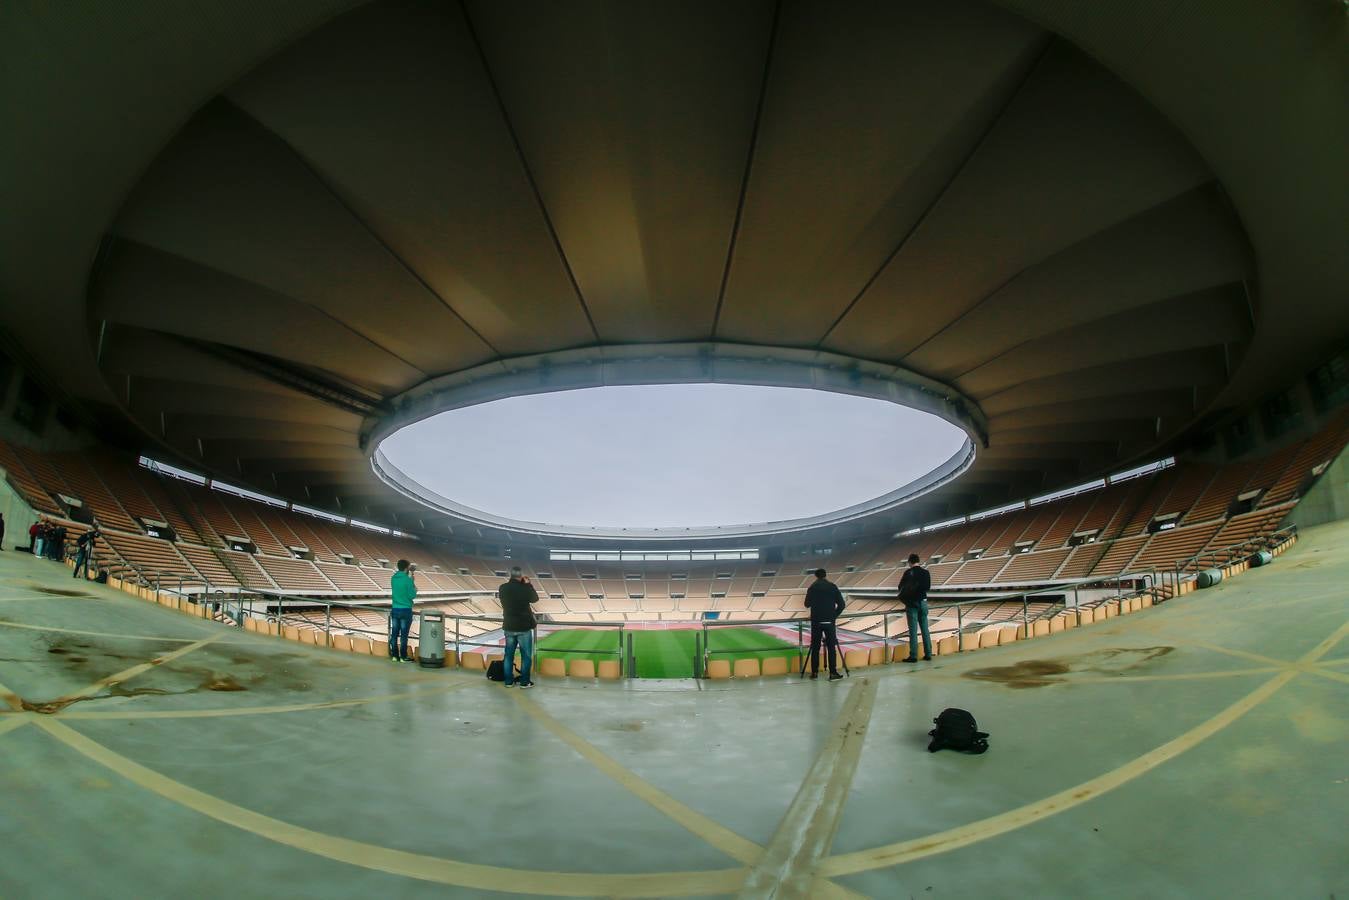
913	588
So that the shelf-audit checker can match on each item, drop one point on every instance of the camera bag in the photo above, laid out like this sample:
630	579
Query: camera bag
957	730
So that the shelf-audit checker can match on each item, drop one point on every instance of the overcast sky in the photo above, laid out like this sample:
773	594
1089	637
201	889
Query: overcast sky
671	455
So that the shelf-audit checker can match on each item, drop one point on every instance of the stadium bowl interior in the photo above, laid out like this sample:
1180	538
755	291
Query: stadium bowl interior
242	244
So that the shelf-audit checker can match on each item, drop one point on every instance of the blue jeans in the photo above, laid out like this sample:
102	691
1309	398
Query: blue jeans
917	616
525	641
400	623
81	562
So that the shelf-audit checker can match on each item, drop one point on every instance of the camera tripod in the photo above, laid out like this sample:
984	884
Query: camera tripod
828	638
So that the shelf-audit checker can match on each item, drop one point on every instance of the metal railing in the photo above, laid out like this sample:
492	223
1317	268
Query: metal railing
1137	584
238	604
457	637
1225	556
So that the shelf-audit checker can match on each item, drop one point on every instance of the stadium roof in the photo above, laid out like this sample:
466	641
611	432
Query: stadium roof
257	232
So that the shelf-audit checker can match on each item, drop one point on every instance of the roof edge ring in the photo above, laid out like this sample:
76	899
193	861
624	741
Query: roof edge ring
682	363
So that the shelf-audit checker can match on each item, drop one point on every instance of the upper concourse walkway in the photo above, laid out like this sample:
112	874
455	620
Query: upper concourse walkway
1194	749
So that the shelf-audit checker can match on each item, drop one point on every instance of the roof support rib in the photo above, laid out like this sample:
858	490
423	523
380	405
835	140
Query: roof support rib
749	166
524	167
937	198
365	226
343	397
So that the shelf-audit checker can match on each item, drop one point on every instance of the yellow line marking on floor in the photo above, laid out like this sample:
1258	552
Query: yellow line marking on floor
400	862
257	710
714	833
787	867
1327	673
964	835
1240	654
5	623
10	699
128	674
9	723
1326	645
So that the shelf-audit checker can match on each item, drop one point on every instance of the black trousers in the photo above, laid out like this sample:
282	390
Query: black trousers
823	631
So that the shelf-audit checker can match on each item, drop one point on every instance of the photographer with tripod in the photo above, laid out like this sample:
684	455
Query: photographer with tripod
825	602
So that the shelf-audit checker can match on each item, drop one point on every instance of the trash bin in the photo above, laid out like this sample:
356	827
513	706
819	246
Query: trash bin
431	640
1261	558
1209	577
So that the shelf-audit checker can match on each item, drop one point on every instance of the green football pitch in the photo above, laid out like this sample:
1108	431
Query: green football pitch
663	654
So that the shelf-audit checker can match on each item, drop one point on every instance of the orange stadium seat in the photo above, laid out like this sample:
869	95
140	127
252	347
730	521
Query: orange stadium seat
746	668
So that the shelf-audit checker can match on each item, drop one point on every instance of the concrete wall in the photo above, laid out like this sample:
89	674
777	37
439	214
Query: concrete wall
18	515
1328	500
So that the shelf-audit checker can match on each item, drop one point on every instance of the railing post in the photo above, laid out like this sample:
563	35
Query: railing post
456	641
960	628
328	623
885	634
1025	614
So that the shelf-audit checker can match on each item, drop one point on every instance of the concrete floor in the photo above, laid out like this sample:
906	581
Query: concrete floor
1197	749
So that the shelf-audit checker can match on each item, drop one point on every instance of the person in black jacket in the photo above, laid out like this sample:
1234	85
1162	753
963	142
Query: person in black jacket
825	602
56	544
518	624
913	588
84	551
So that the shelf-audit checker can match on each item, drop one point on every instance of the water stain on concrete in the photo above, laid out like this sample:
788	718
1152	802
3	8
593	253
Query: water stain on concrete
62	592
222	682
626	726
118	690
1034	673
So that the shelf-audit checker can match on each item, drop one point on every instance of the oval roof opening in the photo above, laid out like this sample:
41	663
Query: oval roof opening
671	456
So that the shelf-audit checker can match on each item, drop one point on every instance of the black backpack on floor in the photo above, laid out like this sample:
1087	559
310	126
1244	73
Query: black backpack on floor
957	730
496	671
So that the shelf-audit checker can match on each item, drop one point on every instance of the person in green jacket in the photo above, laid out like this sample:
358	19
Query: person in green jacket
404	588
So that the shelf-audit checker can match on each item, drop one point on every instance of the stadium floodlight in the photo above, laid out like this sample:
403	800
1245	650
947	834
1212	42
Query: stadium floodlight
1067	492
164	468
245	493
1140	471
318	513
997	511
